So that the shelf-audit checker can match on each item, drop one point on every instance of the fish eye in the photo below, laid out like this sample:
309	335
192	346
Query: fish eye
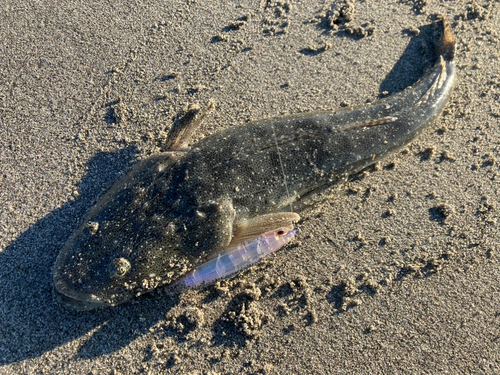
120	267
281	232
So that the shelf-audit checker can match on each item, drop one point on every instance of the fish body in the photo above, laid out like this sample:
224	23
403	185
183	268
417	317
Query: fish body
176	210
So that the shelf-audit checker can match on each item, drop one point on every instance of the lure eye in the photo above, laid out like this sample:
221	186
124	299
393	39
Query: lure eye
121	267
281	232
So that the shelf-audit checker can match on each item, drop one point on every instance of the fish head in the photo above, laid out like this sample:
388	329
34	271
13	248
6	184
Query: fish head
110	260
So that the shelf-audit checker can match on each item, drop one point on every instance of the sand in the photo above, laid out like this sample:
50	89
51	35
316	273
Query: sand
395	271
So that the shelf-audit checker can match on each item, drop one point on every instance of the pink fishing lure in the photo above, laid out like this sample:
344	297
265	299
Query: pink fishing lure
236	258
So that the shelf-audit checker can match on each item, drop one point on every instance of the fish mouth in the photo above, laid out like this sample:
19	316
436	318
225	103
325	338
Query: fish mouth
76	301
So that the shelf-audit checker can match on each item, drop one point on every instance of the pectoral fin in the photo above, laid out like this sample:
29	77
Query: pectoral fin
250	228
208	228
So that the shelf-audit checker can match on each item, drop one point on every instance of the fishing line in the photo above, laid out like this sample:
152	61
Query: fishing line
282	168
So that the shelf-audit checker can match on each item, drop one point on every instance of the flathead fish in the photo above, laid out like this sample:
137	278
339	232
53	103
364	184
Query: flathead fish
177	211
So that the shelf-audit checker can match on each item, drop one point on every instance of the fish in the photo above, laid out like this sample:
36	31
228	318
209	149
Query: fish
177	211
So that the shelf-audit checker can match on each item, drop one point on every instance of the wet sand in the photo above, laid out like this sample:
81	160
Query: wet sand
395	271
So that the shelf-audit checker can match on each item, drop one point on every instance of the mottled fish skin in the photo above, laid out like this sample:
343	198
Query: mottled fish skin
179	209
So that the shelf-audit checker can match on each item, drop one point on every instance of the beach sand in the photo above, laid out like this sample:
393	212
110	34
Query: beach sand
395	271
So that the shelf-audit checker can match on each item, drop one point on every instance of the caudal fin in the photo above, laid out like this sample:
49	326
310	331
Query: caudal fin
446	46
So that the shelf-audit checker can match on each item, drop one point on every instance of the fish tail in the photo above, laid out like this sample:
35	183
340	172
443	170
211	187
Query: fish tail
446	47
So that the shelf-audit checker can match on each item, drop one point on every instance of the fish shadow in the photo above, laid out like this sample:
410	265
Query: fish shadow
31	323
418	57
